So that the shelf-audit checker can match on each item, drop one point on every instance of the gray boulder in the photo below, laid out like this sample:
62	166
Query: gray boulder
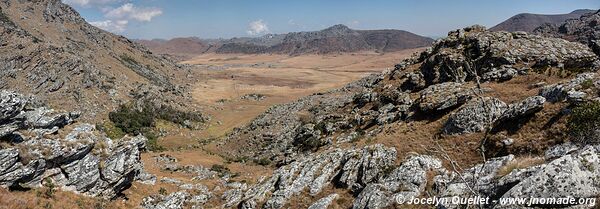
443	96
559	92
524	108
475	116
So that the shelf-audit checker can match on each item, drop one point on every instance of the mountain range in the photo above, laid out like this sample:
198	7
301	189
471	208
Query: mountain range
335	39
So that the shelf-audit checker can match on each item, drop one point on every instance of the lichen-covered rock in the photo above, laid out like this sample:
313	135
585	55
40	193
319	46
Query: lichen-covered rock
443	96
503	73
403	183
475	116
573	175
524	108
174	200
559	92
324	202
11	104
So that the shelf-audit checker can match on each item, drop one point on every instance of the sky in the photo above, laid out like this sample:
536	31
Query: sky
165	19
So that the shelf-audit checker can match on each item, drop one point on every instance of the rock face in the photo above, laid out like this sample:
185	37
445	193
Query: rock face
35	155
560	91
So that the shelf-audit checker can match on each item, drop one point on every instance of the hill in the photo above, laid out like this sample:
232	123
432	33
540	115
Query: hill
528	22
57	55
335	39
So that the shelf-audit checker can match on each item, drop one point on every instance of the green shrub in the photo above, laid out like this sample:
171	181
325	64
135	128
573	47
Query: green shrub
221	169
587	84
111	130
584	123
263	161
130	120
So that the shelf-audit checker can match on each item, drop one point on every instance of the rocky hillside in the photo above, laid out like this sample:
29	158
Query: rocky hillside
335	39
585	29
47	49
528	22
478	113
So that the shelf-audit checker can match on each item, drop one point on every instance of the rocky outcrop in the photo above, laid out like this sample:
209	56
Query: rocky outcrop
561	91
352	169
524	108
83	161
482	51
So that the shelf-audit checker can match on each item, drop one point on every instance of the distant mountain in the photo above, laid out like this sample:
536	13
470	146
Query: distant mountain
335	39
178	47
528	22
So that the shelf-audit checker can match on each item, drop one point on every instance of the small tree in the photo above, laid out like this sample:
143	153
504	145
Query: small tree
584	123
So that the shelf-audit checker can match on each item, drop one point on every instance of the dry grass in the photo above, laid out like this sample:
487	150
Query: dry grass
519	163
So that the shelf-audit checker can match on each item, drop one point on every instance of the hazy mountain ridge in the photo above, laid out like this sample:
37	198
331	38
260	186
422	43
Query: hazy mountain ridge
528	22
335	39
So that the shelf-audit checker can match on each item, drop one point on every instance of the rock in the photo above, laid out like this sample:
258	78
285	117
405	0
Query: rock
475	116
46	118
323	203
443	96
559	92
366	167
572	175
403	183
522	109
575	97
11	104
560	150
504	73
174	200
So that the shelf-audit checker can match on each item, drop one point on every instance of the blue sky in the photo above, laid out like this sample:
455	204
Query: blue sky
236	18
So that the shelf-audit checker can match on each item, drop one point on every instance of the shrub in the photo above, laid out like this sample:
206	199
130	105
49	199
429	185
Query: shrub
221	169
263	161
584	123
111	130
130	120
162	191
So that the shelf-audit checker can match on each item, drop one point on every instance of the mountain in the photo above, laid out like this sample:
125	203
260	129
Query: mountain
47	49
335	39
585	29
528	22
178	47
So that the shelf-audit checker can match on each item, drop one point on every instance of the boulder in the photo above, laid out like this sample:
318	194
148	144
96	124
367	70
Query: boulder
559	92
477	115
524	108
444	96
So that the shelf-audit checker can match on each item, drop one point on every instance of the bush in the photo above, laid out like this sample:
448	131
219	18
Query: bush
128	119
584	123
263	161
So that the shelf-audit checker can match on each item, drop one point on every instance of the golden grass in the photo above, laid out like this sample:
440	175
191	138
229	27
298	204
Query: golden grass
519	163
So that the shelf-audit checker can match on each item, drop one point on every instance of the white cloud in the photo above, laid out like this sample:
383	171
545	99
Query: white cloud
87	3
117	26
258	27
130	11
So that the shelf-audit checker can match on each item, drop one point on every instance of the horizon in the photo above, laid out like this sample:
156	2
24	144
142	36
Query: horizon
161	19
